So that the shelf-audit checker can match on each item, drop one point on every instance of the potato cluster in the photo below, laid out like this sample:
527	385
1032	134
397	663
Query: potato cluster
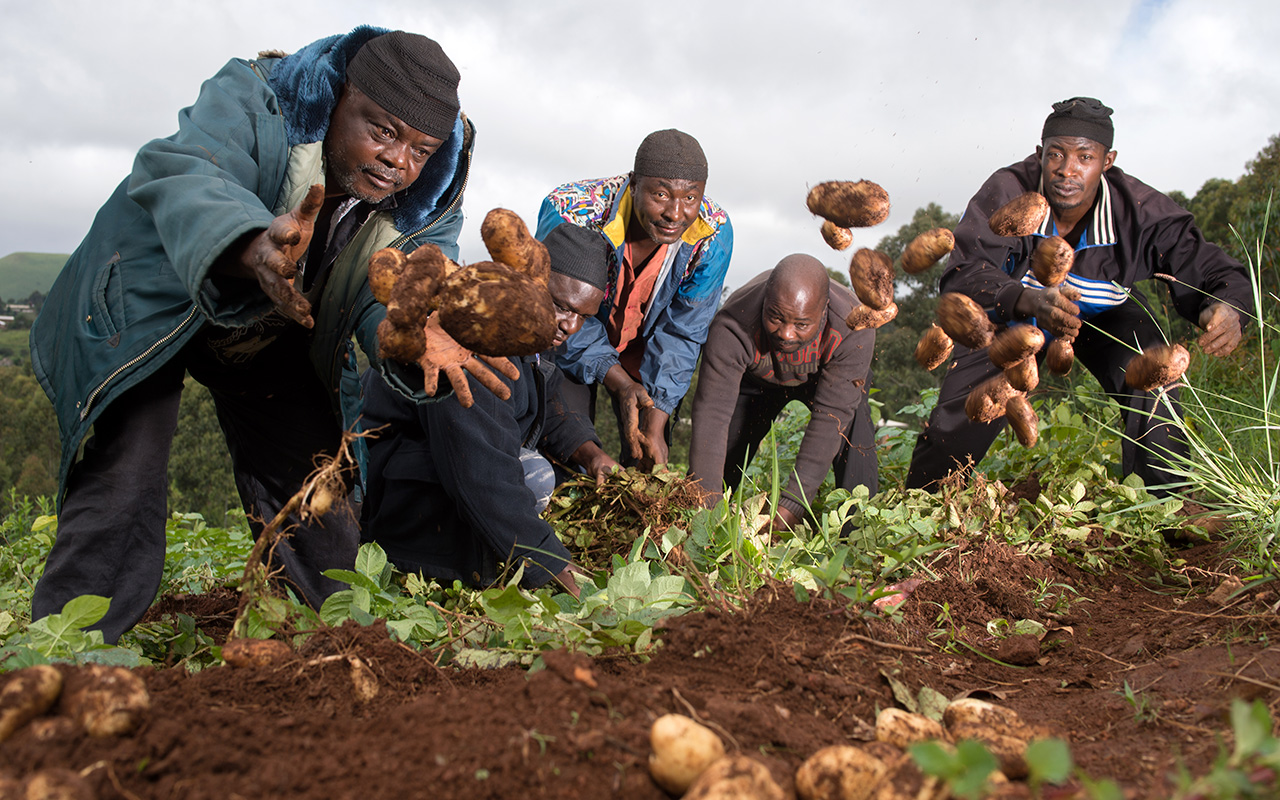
105	701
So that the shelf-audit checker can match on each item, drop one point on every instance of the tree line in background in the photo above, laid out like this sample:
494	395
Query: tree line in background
1232	214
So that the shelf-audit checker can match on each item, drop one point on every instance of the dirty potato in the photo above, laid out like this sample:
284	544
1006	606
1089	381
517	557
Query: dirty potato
56	784
107	701
964	320
862	317
933	348
1023	420
492	310
839	772
925	250
1010	751
1157	366
1060	356
509	242
850	204
384	267
972	711
837	238
1052	260
405	345
1024	375
902	728
241	653
987	400
1021	216
871	275
1015	343
735	778
30	692
682	750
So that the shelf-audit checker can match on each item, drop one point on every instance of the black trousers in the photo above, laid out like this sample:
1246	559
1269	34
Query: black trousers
756	409
276	417
951	440
580	398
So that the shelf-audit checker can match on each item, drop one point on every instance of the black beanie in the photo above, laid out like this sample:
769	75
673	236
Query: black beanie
671	154
1080	116
410	76
579	253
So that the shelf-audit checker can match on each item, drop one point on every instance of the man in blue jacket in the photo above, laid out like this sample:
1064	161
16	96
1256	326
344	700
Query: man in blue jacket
203	262
669	250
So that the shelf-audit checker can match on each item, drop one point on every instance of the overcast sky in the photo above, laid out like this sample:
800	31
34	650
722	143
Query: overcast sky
926	99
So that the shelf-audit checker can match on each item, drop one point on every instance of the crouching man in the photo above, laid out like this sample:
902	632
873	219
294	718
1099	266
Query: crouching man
455	493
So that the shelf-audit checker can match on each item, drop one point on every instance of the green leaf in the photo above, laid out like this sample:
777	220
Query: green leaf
1049	761
336	608
1252	727
370	560
932	759
933	703
83	610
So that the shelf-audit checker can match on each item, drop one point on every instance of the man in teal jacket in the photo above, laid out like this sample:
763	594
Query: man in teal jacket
203	261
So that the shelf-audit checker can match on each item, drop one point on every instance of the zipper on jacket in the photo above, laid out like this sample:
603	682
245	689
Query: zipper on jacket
88	404
457	198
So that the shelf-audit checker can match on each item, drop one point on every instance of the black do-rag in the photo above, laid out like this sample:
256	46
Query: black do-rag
671	154
410	76
1080	116
579	253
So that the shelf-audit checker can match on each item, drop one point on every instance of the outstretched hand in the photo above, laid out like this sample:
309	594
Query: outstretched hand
272	256
1222	329
444	354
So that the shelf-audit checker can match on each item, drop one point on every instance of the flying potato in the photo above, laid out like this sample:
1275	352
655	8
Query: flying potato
495	311
925	250
1060	356
1157	366
934	347
863	317
1023	420
1015	343
837	238
850	204
987	401
1021	216
964	320
509	242
1024	375
1052	260
30	692
871	275
682	750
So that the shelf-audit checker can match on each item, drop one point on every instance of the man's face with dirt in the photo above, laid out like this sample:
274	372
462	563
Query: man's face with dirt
371	153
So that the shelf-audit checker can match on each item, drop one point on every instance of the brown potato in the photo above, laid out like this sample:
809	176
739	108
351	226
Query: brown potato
839	772
1015	343
1052	260
384	267
902	728
492	310
987	400
1023	420
509	242
850	204
30	692
862	317
1157	366
970	711
255	652
56	783
413	293
107	701
871	275
837	238
1010	751
933	348
1060	356
405	345
1021	216
1024	375
735	778
925	250
364	683
964	320
682	750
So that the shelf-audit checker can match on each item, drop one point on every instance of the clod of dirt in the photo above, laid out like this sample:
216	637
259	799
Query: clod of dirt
863	317
836	237
29	693
849	204
1157	366
925	250
1052	260
871	275
1021	216
902	728
964	320
107	701
682	750
735	778
839	772
255	652
1226	590
1022	650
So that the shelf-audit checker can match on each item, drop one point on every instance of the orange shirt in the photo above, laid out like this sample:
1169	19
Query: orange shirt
633	293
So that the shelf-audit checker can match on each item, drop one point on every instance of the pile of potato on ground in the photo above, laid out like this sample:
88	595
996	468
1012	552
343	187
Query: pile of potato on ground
688	759
104	701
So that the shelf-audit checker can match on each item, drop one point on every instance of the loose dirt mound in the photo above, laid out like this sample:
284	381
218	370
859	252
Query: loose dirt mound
778	679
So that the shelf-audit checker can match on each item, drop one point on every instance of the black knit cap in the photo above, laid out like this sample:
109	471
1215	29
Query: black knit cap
1080	116
579	253
410	76
671	154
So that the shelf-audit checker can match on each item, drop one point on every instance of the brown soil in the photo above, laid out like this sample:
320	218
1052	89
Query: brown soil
780	679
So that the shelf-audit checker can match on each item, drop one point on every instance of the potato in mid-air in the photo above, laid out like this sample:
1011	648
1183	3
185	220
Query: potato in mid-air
837	238
934	347
1021	216
1023	420
1024	375
986	402
850	204
964	320
871	275
1059	356
863	317
1052	260
1157	366
1015	343
925	250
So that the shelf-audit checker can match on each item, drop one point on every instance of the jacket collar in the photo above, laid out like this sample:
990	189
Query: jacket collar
615	229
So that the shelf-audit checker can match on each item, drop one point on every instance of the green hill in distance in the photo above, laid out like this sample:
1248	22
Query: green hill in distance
24	273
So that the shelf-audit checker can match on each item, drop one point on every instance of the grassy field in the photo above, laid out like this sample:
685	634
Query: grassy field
24	273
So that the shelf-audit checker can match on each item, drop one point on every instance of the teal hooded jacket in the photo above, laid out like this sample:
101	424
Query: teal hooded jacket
137	288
